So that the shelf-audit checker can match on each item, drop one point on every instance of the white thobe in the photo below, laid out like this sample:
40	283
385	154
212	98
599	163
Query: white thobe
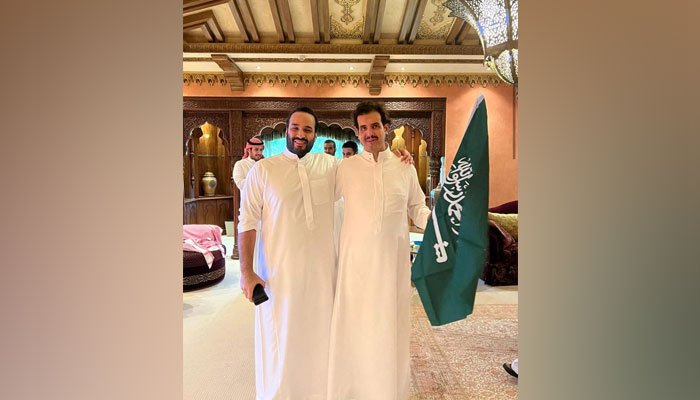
338	221
240	171
338	216
370	329
293	198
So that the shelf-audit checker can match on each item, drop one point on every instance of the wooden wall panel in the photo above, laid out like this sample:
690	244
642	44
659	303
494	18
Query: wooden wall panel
242	117
206	212
190	213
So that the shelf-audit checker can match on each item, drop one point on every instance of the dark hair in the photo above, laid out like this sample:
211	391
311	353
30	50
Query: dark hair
350	145
367	107
329	141
304	110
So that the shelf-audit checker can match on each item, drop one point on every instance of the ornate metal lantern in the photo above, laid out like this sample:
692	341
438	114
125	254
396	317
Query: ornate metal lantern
496	22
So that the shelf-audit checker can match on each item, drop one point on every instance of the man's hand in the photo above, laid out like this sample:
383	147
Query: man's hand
248	282
404	155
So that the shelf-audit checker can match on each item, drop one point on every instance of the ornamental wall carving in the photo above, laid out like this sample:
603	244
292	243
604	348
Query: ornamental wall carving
355	80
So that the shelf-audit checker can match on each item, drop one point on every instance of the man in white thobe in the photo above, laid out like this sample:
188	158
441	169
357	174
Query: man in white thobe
291	194
370	329
349	149
252	153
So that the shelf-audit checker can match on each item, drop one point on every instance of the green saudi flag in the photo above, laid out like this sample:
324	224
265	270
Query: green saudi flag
449	262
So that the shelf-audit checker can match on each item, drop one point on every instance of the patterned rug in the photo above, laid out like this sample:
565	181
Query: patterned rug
464	359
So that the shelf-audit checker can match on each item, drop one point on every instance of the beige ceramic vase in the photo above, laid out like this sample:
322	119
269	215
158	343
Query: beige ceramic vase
209	184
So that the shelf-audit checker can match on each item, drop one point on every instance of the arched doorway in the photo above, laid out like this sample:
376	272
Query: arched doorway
275	138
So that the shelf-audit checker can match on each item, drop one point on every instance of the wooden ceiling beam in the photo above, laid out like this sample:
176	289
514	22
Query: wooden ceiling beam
456	28
324	22
276	19
241	9
378	23
233	74
314	20
189	6
370	19
286	17
205	20
463	33
408	17
239	20
208	34
376	74
418	17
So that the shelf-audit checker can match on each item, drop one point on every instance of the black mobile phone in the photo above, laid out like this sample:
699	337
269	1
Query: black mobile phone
259	295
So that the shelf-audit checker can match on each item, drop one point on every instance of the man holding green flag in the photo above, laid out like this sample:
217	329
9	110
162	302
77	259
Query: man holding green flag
450	259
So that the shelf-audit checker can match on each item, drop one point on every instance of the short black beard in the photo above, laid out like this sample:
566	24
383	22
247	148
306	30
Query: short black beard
300	153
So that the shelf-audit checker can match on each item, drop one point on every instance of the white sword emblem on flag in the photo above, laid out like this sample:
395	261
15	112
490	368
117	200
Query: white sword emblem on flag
440	253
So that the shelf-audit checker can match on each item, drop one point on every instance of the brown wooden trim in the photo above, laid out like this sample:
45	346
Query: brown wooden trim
314	20
307	79
205	20
267	104
437	61
420	9
343	60
325	22
408	17
189	6
296	48
379	21
286	17
233	74
456	28
208	34
370	19
376	74
217	197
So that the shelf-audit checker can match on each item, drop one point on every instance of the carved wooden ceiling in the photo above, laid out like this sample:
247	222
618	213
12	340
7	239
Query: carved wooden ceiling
238	38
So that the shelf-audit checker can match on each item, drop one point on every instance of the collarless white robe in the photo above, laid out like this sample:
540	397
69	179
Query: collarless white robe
370	329
293	199
240	171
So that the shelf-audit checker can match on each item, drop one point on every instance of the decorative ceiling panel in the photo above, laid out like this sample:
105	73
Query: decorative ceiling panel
347	18
301	17
435	23
263	17
194	36
225	19
393	17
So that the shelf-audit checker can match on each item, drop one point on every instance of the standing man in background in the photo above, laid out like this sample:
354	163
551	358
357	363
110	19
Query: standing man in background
329	147
253	153
349	149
